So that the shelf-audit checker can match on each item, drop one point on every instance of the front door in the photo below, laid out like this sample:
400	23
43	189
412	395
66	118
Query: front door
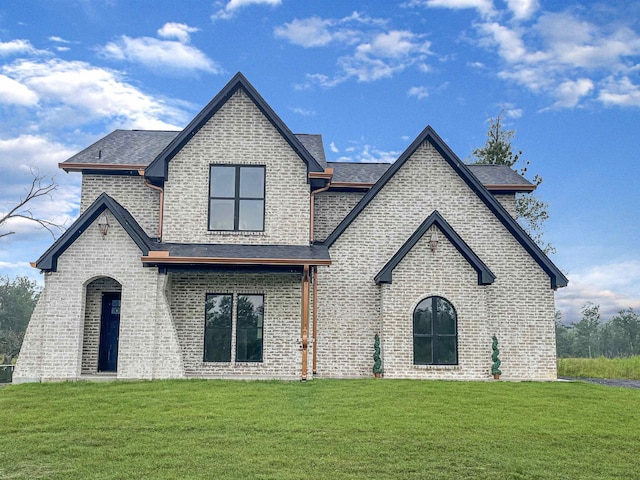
109	329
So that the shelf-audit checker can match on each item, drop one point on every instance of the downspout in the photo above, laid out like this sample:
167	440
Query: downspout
315	319
305	320
161	190
313	212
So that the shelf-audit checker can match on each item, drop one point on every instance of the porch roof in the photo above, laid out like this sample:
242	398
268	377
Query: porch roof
232	254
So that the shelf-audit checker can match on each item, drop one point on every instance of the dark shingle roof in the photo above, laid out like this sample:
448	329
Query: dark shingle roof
246	252
354	172
125	147
313	144
498	175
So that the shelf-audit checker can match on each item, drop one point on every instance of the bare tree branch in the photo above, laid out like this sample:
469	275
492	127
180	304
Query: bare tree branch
40	186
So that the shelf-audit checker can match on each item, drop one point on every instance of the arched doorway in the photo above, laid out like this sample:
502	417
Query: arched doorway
101	326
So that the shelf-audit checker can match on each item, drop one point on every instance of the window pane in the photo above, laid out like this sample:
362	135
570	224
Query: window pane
445	318
252	182
422	350
446	350
422	318
217	330
250	311
249	328
251	215
223	181
221	214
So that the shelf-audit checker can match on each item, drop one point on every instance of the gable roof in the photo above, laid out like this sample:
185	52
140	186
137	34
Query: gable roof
429	135
131	148
501	178
158	169
49	260
485	276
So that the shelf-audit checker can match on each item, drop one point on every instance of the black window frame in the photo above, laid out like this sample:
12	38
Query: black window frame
435	336
208	358
237	198
246	359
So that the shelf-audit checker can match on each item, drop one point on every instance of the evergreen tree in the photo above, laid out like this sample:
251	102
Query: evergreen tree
498	150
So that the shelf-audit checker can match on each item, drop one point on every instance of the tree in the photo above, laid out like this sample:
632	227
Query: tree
565	337
18	298
40	186
628	323
498	150
587	331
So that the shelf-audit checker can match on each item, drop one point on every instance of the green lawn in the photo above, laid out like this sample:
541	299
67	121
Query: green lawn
321	429
601	367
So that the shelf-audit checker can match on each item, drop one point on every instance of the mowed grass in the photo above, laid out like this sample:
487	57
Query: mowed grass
321	429
601	367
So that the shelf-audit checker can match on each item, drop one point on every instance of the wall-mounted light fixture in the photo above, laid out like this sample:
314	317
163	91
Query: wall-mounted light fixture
433	242
103	224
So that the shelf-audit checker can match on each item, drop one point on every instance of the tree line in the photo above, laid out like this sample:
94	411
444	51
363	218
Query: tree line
18	298
591	337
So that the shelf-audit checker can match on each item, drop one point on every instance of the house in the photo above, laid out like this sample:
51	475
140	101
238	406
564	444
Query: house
233	249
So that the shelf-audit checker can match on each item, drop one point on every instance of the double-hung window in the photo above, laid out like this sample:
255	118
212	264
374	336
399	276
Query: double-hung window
219	323
236	197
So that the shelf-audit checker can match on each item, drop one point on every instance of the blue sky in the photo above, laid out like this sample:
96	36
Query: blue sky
368	76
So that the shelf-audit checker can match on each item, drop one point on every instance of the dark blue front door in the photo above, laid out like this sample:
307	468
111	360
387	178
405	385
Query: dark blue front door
109	329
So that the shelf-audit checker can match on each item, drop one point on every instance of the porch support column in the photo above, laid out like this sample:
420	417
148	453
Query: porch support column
315	320
305	320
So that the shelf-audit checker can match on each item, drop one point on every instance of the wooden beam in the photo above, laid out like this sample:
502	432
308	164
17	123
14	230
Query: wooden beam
163	257
305	320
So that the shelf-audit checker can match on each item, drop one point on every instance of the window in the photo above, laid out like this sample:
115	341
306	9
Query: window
219	327
249	328
236	198
435	333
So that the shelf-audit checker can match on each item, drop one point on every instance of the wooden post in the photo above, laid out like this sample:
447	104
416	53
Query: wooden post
305	320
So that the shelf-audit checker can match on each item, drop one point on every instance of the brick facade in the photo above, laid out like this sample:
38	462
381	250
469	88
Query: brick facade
162	319
238	134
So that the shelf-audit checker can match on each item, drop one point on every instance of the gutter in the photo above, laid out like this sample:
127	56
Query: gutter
161	199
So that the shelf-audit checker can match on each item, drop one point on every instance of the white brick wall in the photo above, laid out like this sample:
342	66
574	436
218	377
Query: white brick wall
282	354
53	350
520	303
330	209
142	202
237	134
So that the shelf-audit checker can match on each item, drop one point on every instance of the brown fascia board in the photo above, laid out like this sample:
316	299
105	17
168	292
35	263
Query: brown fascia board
327	174
155	257
79	167
507	188
352	185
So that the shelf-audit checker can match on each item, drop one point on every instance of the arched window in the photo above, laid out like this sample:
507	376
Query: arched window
435	333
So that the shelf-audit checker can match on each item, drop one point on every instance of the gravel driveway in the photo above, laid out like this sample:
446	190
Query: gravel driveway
609	382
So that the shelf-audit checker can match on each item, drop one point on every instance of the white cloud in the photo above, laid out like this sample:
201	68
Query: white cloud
76	93
12	92
621	92
614	287
375	51
19	47
303	111
176	57
179	31
333	148
364	152
522	9
57	39
484	7
232	6
570	93
418	92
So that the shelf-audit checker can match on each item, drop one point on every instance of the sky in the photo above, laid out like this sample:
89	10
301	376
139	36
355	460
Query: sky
368	76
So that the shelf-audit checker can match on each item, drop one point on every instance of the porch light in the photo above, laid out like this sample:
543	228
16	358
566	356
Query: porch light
433	242
103	224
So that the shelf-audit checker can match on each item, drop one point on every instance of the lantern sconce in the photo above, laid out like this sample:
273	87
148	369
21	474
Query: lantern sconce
433	242
103	224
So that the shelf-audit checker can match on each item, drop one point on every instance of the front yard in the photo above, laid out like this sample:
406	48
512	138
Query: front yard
319	430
